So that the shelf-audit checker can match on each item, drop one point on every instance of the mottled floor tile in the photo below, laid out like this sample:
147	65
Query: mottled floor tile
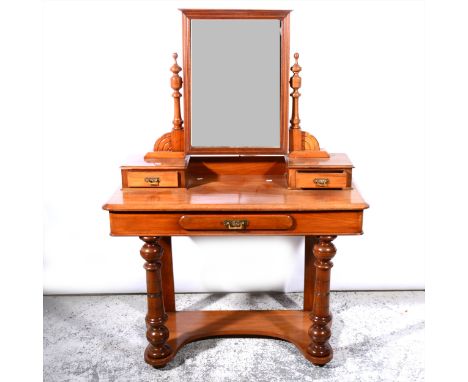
377	336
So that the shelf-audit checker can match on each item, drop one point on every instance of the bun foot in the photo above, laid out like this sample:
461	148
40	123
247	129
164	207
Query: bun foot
320	361
158	359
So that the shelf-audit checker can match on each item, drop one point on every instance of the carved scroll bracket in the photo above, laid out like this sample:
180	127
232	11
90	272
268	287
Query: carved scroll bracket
301	143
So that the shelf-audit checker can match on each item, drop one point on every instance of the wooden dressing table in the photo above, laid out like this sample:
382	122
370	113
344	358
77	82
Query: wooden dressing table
182	190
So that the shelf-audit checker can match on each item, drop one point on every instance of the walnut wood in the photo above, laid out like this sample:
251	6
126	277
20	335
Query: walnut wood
300	168
237	188
156	212
301	143
168	224
306	153
320	332
164	154
236	193
137	178
136	166
164	143
246	165
288	325
335	161
140	178
295	135
177	136
306	179
253	222
172	142
167	274
158	352
309	272
283	16
310	143
139	163
235	13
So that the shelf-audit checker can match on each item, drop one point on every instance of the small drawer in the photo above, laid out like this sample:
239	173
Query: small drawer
320	179
153	179
236	222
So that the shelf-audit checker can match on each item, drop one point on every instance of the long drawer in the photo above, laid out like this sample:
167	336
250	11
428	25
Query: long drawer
185	224
236	222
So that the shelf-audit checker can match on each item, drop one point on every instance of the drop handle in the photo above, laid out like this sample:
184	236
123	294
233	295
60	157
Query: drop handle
321	182
236	224
153	181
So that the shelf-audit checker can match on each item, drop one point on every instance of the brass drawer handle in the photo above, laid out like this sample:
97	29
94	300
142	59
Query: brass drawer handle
153	181
236	224
321	182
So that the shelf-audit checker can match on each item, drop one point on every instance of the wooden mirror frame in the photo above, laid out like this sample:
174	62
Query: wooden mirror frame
283	16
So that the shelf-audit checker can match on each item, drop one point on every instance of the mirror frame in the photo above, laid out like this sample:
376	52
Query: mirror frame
283	16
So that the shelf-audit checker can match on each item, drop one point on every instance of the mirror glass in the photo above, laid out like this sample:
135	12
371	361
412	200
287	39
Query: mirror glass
235	83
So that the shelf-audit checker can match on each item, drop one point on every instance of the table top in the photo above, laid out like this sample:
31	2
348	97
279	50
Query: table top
235	193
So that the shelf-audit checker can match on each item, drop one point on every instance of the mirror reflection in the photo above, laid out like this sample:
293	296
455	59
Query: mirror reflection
235	83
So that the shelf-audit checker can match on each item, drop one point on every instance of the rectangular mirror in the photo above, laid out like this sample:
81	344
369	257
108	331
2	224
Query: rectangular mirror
236	81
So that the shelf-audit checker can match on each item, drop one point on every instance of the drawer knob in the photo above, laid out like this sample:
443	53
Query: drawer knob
321	182
153	181
236	224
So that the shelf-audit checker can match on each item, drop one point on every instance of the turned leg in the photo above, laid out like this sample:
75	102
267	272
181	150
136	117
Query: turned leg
319	348
167	274
309	273
158	351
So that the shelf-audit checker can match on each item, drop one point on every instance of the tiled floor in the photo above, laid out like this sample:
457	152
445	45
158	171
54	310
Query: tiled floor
377	336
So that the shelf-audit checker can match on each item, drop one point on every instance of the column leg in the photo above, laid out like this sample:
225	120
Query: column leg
167	274
309	273
319	348
157	352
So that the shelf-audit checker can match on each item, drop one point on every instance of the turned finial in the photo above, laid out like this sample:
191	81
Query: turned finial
296	68
175	68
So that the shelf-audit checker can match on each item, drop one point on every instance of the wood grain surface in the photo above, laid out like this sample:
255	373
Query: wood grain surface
236	193
189	326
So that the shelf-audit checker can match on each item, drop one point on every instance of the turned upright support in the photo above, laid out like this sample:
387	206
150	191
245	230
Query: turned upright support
301	143
157	352
309	273
171	144
295	133
177	137
319	348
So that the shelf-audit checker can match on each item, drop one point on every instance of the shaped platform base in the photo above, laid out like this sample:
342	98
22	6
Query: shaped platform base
189	326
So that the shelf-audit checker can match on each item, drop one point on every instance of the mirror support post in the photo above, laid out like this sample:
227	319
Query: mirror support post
295	134
171	145
301	143
177	137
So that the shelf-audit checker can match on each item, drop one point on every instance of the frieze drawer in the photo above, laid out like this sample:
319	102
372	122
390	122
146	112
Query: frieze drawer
236	222
151	179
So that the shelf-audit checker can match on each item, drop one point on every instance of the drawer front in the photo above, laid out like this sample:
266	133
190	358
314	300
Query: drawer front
171	224
236	222
320	179
152	179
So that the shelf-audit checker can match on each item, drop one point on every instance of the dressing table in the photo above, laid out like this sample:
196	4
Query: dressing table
235	167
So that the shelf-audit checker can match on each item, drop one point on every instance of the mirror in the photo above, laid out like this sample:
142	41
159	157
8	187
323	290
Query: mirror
235	94
235	83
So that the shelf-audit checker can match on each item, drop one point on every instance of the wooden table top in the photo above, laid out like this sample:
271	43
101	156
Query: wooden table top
235	193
